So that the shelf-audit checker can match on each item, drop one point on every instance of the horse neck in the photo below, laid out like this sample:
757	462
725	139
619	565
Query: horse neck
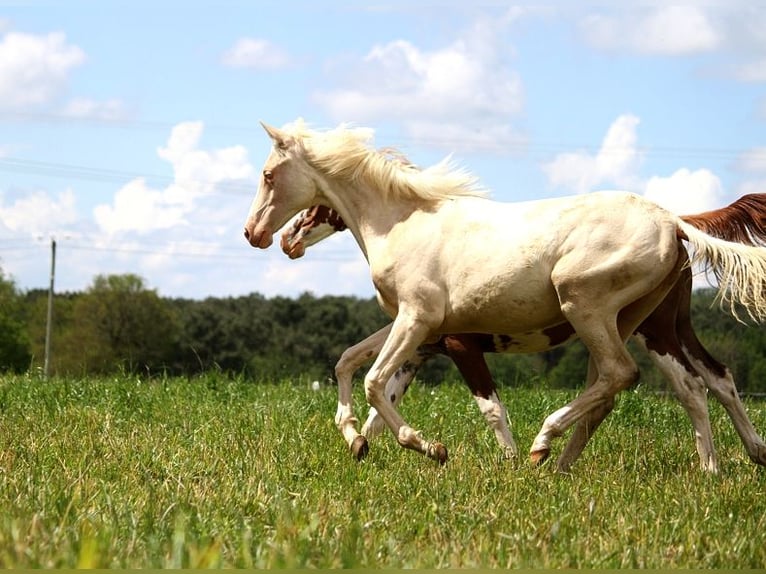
366	212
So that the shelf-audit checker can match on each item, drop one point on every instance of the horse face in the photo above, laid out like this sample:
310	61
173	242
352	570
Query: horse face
312	226
286	187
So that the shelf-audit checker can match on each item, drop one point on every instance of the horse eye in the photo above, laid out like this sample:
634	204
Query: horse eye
268	175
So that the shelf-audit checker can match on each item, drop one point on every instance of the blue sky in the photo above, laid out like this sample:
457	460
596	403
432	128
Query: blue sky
129	130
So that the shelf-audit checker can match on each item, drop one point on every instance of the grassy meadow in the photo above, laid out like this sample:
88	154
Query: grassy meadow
125	472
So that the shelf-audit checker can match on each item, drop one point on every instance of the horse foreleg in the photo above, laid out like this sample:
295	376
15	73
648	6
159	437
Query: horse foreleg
396	387
467	353
406	335
351	360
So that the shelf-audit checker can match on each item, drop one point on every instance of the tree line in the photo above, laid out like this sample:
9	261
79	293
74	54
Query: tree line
119	325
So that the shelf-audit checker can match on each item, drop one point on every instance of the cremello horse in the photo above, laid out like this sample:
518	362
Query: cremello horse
667	334
444	259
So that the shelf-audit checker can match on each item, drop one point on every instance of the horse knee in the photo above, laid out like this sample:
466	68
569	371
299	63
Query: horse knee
374	392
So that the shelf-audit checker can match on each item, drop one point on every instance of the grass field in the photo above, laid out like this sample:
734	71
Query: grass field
123	472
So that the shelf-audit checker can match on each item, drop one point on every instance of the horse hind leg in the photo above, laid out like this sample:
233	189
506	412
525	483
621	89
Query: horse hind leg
689	388
585	427
720	382
604	332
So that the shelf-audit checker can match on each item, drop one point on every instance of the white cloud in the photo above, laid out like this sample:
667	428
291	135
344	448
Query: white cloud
39	213
85	108
255	53
34	70
615	163
197	173
460	96
686	191
136	207
670	30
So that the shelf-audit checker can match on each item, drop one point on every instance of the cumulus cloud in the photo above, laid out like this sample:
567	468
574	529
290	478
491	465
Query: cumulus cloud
686	191
464	95
38	212
255	53
34	70
615	163
198	173
670	30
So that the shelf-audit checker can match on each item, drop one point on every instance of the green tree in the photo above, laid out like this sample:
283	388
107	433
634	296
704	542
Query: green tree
119	323
15	354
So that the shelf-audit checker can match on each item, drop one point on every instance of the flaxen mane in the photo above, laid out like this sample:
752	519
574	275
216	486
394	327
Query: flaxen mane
345	152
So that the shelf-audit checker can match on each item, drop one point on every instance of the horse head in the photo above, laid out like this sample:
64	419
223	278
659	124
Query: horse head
312	226
287	185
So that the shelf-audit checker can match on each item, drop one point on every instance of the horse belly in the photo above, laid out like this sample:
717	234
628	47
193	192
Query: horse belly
505	304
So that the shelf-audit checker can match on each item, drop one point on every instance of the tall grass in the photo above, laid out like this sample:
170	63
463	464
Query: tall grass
127	473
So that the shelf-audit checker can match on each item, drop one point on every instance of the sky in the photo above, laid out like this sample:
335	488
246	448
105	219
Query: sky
129	130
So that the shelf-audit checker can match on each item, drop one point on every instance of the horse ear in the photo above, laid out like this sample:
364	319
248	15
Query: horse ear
280	138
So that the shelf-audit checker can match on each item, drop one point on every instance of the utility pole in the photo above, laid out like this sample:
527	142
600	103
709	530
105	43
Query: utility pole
49	323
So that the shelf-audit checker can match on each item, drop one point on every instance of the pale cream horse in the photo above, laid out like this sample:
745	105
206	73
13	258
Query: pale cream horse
444	259
667	335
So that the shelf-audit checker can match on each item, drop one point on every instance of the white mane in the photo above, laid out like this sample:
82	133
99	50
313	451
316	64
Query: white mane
345	152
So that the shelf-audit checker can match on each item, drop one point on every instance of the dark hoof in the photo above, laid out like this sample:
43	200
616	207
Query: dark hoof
438	452
360	448
538	457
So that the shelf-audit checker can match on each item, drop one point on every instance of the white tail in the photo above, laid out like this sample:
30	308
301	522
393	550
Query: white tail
739	269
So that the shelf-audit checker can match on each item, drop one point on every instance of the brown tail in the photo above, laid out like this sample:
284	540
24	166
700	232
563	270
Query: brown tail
744	221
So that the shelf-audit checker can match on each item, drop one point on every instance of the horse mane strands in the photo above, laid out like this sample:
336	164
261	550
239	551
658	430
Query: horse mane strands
346	153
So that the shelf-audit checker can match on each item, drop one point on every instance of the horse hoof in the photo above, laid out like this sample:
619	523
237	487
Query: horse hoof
360	448
438	452
539	456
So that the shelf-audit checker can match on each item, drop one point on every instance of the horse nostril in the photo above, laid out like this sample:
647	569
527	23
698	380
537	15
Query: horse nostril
247	233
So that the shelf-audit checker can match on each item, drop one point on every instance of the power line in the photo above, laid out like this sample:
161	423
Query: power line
172	251
80	173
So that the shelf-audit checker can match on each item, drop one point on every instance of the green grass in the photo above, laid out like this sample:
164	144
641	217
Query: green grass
122	472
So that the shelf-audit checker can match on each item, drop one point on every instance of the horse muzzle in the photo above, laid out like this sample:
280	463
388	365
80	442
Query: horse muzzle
260	238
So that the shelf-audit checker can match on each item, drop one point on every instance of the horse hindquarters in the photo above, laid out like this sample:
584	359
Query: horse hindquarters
605	300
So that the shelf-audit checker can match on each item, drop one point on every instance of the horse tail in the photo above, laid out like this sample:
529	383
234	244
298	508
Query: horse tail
743	221
739	268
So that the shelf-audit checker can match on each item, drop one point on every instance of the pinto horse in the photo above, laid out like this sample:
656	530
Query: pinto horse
593	266
667	335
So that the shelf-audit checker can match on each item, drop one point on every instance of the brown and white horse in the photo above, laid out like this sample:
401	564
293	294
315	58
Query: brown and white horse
667	335
593	265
